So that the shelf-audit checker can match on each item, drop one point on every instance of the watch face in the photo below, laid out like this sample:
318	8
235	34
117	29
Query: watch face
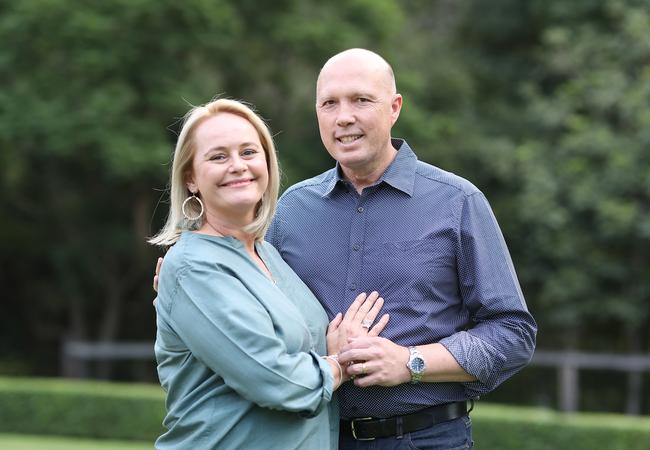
417	365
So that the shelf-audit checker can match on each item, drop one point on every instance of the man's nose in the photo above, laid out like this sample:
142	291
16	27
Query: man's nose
345	115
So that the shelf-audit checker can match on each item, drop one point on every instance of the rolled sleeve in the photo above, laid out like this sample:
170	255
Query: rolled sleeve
501	339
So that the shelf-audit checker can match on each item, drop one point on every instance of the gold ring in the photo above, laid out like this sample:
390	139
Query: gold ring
363	369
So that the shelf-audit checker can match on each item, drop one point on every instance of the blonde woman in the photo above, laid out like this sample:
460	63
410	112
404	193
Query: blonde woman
241	344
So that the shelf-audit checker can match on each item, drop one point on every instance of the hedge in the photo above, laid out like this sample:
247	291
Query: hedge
135	411
498	427
81	408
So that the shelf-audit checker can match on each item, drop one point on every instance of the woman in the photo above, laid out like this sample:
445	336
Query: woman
240	337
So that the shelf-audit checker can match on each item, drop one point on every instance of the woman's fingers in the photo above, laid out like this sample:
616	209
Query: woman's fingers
334	324
379	326
366	306
371	315
354	307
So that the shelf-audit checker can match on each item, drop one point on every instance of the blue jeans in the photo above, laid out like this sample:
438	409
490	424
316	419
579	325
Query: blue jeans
454	434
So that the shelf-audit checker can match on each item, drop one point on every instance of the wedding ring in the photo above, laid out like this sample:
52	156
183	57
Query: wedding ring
365	323
363	369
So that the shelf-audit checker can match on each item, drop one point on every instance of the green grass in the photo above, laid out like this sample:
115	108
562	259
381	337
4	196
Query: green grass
30	442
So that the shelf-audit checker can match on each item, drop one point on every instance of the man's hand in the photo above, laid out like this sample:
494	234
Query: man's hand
157	274
156	279
384	363
375	360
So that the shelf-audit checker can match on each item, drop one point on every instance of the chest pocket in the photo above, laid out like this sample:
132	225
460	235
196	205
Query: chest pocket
426	265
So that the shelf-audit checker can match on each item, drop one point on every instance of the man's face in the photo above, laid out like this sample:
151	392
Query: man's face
356	108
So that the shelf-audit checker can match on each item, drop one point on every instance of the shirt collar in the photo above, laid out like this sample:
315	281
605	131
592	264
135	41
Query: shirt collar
400	173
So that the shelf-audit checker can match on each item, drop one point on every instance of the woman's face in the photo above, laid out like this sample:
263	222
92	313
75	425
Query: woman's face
229	167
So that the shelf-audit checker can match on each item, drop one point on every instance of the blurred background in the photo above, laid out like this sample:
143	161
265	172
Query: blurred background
543	104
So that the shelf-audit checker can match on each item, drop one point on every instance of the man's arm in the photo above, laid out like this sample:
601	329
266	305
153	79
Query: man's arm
501	339
384	363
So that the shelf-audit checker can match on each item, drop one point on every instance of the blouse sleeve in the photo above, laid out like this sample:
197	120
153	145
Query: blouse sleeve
229	330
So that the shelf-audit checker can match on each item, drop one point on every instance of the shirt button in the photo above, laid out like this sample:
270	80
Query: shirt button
356	247
353	286
360	209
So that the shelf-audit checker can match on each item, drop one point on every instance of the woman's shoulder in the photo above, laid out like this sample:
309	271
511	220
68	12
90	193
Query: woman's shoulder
189	251
268	247
271	251
192	259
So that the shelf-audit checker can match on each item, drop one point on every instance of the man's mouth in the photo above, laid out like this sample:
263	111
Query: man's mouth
349	139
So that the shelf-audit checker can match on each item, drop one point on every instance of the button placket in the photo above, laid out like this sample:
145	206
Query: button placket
357	231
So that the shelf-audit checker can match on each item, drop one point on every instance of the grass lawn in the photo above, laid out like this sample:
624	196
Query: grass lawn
32	442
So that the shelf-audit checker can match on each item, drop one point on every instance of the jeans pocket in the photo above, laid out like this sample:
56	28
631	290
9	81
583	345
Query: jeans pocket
453	434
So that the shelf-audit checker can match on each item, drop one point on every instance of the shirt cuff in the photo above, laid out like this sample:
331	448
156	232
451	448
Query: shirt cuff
328	385
477	358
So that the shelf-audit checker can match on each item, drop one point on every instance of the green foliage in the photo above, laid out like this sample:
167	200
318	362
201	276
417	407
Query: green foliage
503	427
93	93
588	168
545	106
79	408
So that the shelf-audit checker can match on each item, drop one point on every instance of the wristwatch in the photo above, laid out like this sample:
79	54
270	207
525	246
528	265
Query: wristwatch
415	364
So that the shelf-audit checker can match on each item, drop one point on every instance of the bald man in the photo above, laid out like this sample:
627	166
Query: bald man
425	239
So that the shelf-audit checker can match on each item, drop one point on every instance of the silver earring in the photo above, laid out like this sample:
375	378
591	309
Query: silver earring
193	197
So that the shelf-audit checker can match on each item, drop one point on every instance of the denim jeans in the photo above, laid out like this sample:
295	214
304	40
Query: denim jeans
454	434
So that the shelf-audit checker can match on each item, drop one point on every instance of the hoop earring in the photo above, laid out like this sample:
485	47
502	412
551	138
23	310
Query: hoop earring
193	197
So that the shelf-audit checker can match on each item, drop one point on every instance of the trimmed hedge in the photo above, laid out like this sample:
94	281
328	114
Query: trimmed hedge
81	408
135	411
498	427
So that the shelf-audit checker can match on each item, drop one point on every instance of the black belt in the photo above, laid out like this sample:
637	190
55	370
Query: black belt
368	428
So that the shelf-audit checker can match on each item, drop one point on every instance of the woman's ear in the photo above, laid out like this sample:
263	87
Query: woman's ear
190	184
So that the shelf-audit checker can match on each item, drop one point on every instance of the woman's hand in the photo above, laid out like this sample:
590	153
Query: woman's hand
357	322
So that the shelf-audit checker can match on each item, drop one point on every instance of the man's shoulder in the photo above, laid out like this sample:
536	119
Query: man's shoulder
316	185
431	174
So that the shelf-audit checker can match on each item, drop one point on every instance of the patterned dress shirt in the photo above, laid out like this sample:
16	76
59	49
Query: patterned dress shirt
428	242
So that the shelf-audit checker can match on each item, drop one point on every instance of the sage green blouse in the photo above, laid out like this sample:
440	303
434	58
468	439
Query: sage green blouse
238	353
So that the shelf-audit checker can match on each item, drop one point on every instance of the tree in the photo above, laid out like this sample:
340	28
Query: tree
588	172
92	96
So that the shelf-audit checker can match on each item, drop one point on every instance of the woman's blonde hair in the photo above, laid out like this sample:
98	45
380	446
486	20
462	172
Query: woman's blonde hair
182	166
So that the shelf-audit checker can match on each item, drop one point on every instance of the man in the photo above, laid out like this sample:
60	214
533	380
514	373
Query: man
428	242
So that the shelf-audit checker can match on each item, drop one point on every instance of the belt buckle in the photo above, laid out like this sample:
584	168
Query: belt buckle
354	433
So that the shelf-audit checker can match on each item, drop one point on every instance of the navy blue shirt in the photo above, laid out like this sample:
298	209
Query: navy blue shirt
428	242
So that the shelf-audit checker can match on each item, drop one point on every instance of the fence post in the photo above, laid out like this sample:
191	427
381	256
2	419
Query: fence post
633	402
71	366
568	381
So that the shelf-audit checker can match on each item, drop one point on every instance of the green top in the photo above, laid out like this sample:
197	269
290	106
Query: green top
238	353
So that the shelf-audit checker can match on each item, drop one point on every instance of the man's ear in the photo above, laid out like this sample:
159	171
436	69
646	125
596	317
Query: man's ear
396	107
